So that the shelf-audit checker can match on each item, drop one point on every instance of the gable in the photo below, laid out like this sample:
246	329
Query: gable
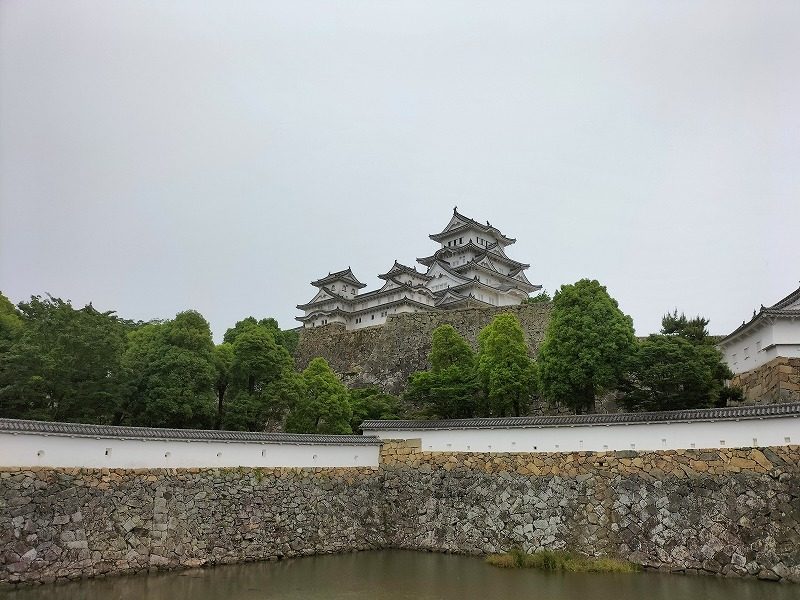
455	221
442	275
321	295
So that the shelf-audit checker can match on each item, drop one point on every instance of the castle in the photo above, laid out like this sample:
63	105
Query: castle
470	267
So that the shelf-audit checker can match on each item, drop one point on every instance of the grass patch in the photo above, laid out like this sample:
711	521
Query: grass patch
559	560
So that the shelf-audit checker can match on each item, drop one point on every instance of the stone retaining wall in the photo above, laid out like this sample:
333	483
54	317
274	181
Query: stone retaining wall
776	381
732	512
385	356
70	523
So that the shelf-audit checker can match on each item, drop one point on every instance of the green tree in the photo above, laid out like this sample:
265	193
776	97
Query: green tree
325	406
669	373
172	374
681	368
695	329
539	298
288	339
372	403
60	363
223	362
449	389
586	346
258	362
505	370
11	323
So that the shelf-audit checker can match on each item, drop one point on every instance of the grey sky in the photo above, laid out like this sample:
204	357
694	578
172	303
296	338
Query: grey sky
158	156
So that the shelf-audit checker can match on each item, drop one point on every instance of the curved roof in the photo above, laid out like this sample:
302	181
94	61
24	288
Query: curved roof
493	251
521	283
673	416
334	298
344	275
459	223
398	268
156	433
785	307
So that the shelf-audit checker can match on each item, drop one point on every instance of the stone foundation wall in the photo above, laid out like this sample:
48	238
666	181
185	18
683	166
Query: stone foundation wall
776	381
732	512
70	523
385	356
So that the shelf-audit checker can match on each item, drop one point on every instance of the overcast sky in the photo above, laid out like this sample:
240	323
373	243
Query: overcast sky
159	156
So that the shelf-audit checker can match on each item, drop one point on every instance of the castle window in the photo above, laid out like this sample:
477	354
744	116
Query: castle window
372	316
352	290
460	240
758	346
747	353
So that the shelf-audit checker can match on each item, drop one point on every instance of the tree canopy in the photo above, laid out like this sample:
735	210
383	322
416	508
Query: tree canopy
324	407
505	370
585	346
59	363
372	403
680	368
695	329
541	297
258	362
449	389
171	374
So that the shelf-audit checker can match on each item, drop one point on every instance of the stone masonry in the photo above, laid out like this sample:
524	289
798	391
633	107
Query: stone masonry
71	523
776	381
385	356
733	512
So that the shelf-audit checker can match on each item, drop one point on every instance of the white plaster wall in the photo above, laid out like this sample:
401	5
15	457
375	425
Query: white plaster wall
786	332
27	450
778	338
656	436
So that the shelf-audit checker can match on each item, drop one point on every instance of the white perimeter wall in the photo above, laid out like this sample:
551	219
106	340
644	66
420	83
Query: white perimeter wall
27	450
656	436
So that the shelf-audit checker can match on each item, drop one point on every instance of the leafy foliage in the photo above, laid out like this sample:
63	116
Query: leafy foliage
669	373
172	373
449	390
59	363
223	363
695	330
371	403
325	406
258	362
539	298
504	368
681	368
11	323
586	345
288	339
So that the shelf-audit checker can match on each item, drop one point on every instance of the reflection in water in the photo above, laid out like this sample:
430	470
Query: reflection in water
396	575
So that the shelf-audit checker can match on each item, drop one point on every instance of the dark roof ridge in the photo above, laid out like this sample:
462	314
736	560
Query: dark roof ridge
700	414
784	302
157	433
344	274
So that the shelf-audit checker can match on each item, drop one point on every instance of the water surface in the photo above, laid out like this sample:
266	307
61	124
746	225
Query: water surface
401	575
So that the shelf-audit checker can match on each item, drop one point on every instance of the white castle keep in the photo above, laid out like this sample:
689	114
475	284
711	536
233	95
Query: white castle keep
471	267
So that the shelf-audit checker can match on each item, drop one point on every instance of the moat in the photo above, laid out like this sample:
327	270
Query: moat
396	575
